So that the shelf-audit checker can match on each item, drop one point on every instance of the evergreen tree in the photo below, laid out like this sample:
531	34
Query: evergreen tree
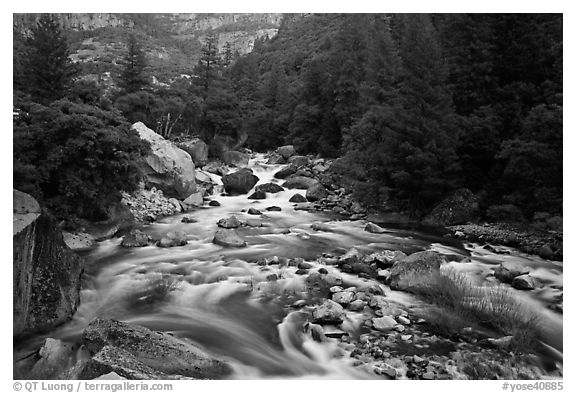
48	69
227	55
208	66
133	77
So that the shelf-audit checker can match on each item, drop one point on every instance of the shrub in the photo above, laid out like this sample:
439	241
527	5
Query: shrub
490	306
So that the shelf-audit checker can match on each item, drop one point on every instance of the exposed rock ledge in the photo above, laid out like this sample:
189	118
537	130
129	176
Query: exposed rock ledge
46	273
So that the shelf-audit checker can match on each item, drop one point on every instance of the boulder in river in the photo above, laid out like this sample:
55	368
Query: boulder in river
458	208
258	195
239	182
506	272
235	158
410	272
228	238
344	298
300	182
228	223
273	209
173	239
167	167
524	282
384	324
159	353
297	198
254	211
299	161
136	238
373	228
275	159
285	172
46	273
316	192
269	187
385	258
197	149
286	151
194	199
328	312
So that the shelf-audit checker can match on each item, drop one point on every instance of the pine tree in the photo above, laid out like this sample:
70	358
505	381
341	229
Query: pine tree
208	66
227	55
133	77
49	70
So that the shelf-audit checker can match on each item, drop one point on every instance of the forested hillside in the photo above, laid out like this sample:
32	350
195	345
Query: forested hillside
416	106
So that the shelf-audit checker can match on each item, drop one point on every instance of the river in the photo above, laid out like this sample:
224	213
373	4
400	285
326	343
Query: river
221	299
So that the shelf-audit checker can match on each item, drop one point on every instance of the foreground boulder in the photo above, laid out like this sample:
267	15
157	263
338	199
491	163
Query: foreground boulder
228	238
235	158
407	274
128	345
46	273
239	182
167	167
459	208
197	149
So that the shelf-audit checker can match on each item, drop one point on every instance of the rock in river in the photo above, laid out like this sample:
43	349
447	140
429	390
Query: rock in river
136	238
239	182
297	198
228	238
173	239
228	223
158	352
328	312
269	187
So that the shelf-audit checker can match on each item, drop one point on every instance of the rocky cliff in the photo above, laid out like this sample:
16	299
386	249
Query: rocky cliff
46	273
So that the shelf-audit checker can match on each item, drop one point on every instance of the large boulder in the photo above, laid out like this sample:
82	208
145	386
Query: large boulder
239	182
235	158
228	238
167	167
316	192
160	352
300	182
459	208
506	272
409	273
46	273
173	239
275	159
197	149
286	151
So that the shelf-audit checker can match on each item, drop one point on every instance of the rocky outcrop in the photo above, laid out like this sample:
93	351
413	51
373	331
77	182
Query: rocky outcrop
124	348
197	149
239	182
167	167
46	273
459	208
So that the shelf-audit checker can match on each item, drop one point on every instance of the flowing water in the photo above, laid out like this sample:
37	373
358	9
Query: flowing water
221	300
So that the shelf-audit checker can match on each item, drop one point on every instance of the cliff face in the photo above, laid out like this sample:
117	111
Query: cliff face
46	273
240	30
